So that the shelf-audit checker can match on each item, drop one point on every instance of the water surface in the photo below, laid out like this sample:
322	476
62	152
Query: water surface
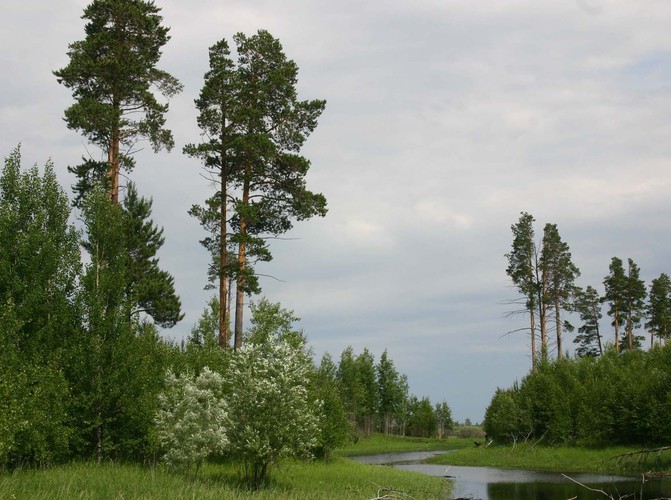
491	483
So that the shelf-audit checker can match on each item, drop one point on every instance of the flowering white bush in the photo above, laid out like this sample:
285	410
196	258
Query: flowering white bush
192	419
271	416
260	412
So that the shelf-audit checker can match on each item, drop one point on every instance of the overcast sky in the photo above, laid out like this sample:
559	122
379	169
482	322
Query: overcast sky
445	119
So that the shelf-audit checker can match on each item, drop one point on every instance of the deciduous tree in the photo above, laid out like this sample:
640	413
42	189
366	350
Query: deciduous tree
39	269
390	395
271	414
443	419
192	420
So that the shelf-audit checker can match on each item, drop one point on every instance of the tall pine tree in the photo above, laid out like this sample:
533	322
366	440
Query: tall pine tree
254	126
659	309
111	73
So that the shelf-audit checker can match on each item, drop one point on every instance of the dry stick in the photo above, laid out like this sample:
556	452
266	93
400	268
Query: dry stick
539	440
587	487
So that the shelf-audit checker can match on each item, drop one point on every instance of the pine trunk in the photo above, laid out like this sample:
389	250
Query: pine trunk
242	263
113	169
558	321
223	261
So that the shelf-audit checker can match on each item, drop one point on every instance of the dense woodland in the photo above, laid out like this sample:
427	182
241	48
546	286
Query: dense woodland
84	370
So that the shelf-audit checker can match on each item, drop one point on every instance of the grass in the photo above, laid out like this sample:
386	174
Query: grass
562	459
342	479
379	443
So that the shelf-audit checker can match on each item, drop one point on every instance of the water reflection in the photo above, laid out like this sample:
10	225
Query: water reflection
488	483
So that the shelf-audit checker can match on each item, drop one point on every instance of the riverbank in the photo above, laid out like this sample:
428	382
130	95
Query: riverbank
379	443
564	459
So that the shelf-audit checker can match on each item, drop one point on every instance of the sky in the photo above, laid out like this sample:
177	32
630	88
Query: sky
445	119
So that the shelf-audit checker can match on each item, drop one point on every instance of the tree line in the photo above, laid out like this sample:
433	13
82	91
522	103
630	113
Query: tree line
616	398
611	391
376	397
545	277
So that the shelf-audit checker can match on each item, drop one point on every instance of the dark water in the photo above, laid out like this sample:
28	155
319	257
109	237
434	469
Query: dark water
488	483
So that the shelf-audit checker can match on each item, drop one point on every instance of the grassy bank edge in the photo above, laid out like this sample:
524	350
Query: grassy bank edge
379	443
564	459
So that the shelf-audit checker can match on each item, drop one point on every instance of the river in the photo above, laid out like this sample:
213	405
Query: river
489	483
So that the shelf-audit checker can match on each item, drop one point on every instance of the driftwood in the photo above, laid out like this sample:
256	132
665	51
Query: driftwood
389	493
585	486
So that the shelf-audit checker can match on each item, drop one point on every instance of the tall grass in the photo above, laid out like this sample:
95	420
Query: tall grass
339	479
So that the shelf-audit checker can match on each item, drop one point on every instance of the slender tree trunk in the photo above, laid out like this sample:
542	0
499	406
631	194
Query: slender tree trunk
99	443
113	169
616	319
542	313
532	314
630	327
532	319
595	313
223	261
242	262
558	320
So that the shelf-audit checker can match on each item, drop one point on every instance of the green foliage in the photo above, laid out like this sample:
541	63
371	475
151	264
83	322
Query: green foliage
117	361
150	289
39	264
255	127
376	397
334	427
39	257
271	415
615	398
342	479
444	420
588	304
522	265
389	391
111	73
558	277
545	278
615	285
634	302
202	346
191	421
271	322
422	420
659	309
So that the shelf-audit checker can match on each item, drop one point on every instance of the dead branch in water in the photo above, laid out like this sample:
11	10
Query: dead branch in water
585	486
640	455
